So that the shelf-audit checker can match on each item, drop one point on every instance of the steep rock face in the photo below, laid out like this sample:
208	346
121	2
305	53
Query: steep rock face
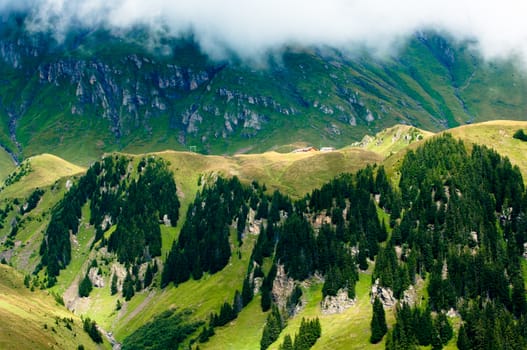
96	84
282	287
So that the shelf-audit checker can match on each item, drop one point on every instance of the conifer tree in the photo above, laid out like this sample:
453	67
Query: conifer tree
463	342
287	344
247	291
113	285
378	322
444	328
85	287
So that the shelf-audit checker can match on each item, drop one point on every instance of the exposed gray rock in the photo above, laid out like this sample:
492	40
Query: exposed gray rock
410	296
282	287
385	295
338	303
96	279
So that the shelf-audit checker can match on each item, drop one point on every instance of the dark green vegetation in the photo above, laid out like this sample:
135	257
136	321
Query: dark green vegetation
520	135
307	336
449	223
465	219
90	327
95	92
166	331
137	199
378	322
273	326
203	244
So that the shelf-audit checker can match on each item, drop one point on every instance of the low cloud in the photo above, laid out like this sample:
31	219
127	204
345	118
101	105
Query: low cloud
250	28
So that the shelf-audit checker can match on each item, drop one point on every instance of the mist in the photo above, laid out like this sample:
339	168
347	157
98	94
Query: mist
251	28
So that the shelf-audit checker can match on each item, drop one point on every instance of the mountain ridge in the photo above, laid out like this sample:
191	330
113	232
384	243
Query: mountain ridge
97	93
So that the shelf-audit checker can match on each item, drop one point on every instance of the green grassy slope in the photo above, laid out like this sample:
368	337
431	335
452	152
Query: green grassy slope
45	169
78	100
291	173
34	320
6	164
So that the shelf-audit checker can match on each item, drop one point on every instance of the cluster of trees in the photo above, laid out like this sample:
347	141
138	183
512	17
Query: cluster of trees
310	331
149	198
56	246
22	170
228	312
167	331
397	276
136	203
32	201
90	327
273	326
203	244
416	327
463	229
520	135
487	325
360	227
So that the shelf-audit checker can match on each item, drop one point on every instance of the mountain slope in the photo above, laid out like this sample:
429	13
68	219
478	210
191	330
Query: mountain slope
292	173
38	171
96	93
6	164
34	320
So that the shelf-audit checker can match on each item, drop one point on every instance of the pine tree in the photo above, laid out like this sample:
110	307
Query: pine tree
149	275
518	297
287	344
444	328
128	287
378	322
247	291
113	286
423	326
272	329
85	287
463	342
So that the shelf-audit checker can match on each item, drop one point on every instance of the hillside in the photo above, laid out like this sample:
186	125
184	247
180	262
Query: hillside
6	164
38	171
94	93
199	184
34	320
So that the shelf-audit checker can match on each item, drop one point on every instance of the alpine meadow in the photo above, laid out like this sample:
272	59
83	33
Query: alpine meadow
268	176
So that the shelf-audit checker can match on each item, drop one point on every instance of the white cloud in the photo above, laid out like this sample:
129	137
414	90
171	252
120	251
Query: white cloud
253	26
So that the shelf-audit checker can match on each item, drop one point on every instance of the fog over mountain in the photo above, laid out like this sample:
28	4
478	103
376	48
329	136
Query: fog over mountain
250	28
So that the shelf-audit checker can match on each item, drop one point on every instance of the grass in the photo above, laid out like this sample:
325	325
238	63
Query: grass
493	134
6	164
250	323
497	135
33	320
294	174
347	330
46	169
203	296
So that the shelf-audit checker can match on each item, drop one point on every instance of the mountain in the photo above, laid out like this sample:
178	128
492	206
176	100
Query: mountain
96	92
88	223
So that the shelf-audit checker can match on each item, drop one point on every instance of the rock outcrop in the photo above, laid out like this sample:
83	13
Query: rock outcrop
282	287
385	295
337	304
